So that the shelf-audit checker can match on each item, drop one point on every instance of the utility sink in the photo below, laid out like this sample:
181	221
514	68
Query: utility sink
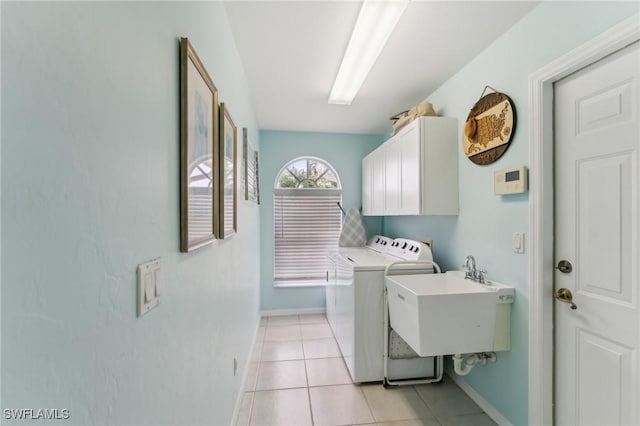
440	314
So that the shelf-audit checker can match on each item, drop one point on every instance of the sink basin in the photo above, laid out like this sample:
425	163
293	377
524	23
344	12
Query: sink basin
440	314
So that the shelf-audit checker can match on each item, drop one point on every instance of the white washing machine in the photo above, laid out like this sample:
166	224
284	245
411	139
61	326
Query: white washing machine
354	298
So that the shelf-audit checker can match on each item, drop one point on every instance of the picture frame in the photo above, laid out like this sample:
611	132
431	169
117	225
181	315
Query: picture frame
250	175
199	146
257	168
228	174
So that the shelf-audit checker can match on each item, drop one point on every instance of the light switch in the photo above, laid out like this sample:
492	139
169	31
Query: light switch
518	242
148	286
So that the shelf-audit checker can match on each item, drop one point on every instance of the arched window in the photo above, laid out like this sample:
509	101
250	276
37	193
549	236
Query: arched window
306	222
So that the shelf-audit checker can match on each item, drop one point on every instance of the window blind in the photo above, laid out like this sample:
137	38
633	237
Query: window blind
307	224
200	218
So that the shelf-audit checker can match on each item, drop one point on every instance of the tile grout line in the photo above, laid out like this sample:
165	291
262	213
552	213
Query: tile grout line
364	395
306	375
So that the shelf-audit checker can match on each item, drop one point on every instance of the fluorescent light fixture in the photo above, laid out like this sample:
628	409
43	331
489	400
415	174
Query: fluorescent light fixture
375	24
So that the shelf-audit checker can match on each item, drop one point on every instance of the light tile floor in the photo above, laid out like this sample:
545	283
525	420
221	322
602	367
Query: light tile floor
297	377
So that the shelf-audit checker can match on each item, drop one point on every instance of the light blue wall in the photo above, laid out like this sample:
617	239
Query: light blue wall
90	143
486	222
345	153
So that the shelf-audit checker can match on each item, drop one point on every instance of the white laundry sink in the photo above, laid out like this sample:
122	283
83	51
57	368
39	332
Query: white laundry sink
440	314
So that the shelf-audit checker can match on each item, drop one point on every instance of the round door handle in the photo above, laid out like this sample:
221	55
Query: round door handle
564	295
564	266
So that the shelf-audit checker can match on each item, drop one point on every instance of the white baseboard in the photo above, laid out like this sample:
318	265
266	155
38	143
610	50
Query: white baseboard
277	312
245	375
495	415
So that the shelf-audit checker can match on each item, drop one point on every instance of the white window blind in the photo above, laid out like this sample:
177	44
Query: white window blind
307	224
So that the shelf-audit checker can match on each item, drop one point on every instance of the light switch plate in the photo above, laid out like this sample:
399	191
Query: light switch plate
148	286
518	242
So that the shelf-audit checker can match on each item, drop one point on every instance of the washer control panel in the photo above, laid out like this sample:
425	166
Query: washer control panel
409	250
379	243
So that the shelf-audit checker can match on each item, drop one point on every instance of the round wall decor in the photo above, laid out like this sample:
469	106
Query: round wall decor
489	128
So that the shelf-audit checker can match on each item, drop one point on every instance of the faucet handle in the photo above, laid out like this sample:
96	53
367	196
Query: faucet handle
481	273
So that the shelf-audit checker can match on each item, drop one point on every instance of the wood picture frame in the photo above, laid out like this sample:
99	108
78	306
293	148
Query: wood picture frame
257	167
199	142
228	174
250	169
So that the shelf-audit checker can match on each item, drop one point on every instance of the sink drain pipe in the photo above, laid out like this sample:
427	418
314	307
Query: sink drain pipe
464	366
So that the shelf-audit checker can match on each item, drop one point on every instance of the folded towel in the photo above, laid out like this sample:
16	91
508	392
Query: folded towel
353	232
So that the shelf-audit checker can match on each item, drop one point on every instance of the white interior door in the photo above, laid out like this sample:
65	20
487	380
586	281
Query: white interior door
597	134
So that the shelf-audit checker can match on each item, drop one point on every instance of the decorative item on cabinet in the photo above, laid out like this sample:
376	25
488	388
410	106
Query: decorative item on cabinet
423	109
489	127
415	172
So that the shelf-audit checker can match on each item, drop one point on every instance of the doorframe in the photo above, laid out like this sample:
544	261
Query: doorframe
541	218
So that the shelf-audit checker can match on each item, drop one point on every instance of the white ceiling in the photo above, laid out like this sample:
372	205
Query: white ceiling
291	51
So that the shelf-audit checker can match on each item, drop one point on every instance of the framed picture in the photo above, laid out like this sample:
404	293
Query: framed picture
228	185
250	176
257	168
199	141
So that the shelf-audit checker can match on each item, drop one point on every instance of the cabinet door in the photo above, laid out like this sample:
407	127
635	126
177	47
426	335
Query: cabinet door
367	185
392	176
377	178
410	184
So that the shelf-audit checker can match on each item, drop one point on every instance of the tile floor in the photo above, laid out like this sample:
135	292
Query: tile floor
297	377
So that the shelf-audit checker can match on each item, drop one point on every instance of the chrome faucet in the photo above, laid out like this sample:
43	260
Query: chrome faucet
472	272
470	264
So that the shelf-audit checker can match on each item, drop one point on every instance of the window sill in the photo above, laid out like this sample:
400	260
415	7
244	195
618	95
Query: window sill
294	284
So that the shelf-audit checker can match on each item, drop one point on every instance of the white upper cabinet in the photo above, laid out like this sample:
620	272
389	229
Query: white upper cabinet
414	172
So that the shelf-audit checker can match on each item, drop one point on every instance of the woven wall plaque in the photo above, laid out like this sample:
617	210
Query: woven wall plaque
489	128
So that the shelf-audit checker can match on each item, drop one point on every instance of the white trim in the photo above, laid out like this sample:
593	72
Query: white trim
541	207
300	284
278	312
245	375
308	157
315	192
489	409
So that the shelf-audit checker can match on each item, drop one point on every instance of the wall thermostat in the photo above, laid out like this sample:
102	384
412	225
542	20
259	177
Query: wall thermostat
510	181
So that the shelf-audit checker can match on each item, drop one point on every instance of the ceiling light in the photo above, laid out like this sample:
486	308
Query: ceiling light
375	24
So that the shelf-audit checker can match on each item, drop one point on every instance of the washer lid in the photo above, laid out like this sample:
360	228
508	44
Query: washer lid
371	261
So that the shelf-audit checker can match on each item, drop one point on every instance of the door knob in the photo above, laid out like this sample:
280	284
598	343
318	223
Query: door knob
564	266
564	295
